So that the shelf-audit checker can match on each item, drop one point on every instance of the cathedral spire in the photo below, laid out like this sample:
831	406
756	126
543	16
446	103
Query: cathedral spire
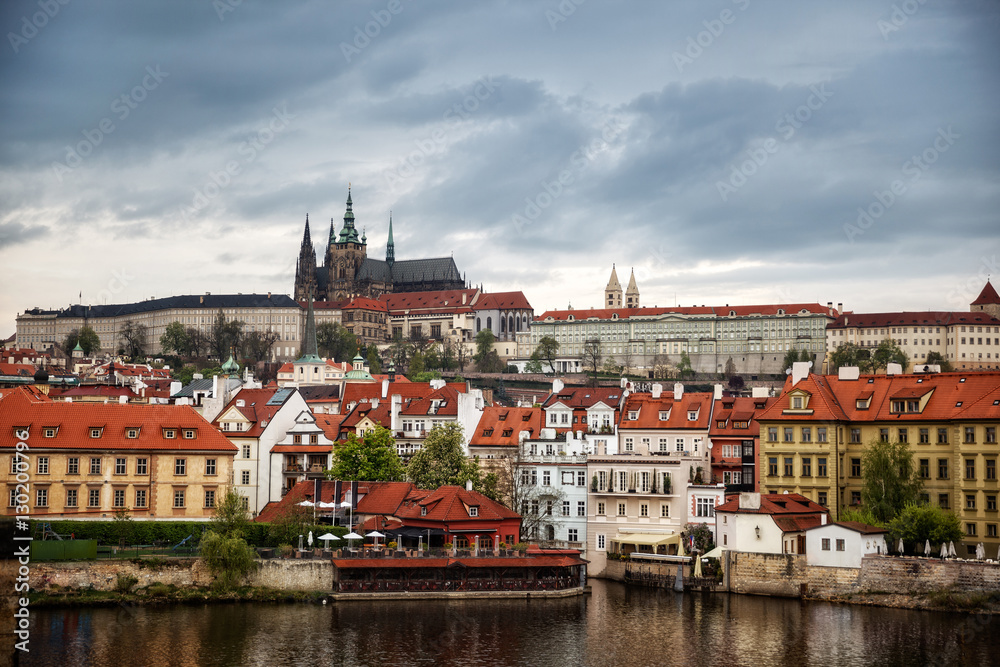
390	247
310	349
307	238
349	234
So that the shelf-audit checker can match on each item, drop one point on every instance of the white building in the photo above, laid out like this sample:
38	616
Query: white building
843	544
771	523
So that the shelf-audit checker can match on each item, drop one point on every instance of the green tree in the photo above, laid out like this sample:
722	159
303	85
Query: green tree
257	345
124	526
229	558
534	364
548	348
231	518
132	339
88	339
937	358
441	461
372	458
684	369
849	354
175	338
889	479
374	360
592	358
484	345
225	336
887	353
336	342
416	366
916	524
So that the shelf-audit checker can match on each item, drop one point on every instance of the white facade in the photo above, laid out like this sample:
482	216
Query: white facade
289	468
755	533
563	476
838	545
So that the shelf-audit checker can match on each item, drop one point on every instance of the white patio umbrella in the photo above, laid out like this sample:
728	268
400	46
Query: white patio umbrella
980	551
697	567
325	506
901	547
944	550
951	549
309	539
326	537
375	535
307	503
927	548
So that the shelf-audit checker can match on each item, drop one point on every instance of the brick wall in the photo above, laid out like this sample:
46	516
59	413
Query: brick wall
788	575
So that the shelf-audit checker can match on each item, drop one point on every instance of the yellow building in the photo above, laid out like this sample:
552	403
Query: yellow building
85	461
813	439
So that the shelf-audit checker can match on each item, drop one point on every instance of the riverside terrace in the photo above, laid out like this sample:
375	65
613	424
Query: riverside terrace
535	570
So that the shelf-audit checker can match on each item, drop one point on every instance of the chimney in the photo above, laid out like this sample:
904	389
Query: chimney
557	385
840	307
464	298
385	387
678	391
823	518
848	373
215	386
718	392
268	296
749	501
395	405
800	371
657	390
374	403
468	485
893	369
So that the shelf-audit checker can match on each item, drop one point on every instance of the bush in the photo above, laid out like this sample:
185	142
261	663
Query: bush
124	583
230	559
172	532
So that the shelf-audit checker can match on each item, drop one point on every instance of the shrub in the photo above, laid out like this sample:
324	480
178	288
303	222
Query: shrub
124	583
230	559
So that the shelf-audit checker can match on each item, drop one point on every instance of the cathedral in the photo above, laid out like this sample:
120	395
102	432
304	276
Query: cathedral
348	271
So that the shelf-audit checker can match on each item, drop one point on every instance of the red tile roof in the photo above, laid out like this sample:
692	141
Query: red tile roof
365	391
987	296
447	301
863	528
920	318
731	410
23	370
649	410
446	397
719	311
255	409
776	504
502	301
449	503
74	421
497	421
584	397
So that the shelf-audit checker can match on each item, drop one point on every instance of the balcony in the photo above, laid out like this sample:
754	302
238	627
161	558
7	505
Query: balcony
293	468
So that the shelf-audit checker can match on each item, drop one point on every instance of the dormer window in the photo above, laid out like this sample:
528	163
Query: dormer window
487	432
95	432
473	511
423	511
169	434
189	434
796	402
49	432
132	433
692	415
664	415
633	415
720	424
507	432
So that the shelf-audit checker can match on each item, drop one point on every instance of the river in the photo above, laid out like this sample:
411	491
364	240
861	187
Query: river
616	625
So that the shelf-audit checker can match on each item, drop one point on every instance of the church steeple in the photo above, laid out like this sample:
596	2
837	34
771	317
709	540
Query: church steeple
613	291
349	234
310	349
390	247
632	293
305	267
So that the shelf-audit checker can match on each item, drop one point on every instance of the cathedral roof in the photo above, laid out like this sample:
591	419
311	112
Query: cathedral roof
408	271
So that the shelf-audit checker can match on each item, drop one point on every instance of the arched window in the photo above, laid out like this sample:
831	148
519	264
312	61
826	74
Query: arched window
489	322
479	325
510	323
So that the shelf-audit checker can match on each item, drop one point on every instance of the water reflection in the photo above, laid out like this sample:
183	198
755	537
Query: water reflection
615	626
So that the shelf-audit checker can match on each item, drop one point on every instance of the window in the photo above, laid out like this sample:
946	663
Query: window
119	498
140	497
600	509
643	509
581	508
772	466
41	497
704	507
246	451
629	446
942	468
209	466
807	467
991	530
95	466
189	434
95	433
944	501
970	435
826	544
772	434
572	535
855	497
970	468
621	509
855	467
883	435
12	498
94	498
180	466
548	508
49	433
43	465
821	498
71	497
991	503
581	478
820	434
806	434
73	465
178	498
821	466
788	436
970	501
169	434
991	435
924	436
902	435
141	466
210	499
970	529
788	466
546	478
565	508
245	477
942	436
991	469
120	465
925	468
131	433
856	435
601	545
840	545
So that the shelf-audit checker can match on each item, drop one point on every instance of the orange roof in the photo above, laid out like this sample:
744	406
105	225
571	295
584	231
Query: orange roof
719	311
649	411
74	422
501	427
23	370
584	397
502	301
379	415
449	503
737	409
797	524
446	397
446	301
920	318
355	392
777	504
255	409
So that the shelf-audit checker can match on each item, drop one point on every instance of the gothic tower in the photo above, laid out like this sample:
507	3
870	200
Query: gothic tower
390	247
632	293
346	255
613	292
305	267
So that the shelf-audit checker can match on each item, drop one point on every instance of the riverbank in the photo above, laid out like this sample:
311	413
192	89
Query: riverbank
168	594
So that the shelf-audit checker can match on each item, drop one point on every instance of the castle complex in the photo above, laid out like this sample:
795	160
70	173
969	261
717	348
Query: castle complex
348	271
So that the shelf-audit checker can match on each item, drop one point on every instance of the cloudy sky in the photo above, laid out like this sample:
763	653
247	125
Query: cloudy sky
731	151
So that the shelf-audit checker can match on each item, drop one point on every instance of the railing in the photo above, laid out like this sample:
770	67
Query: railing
293	467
